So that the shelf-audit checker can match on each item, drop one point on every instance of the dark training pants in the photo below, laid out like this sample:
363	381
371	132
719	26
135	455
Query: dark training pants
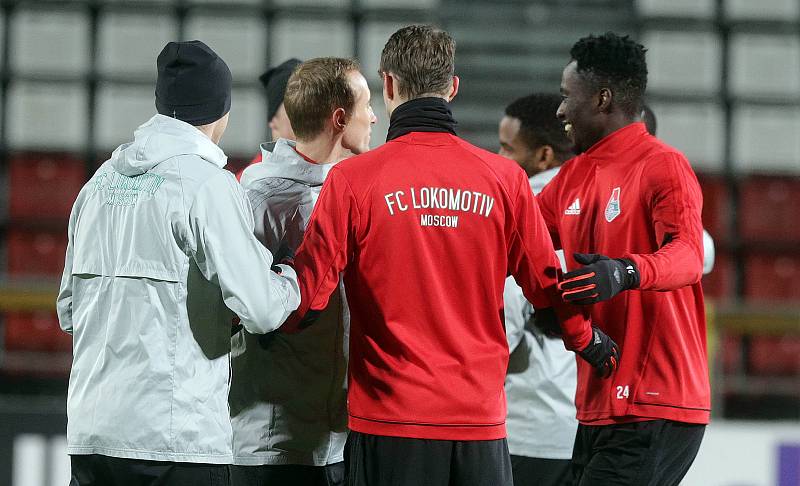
97	470
374	460
290	475
652	453
535	471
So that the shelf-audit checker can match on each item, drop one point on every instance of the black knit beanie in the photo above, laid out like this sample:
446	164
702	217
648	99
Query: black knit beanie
274	81
194	83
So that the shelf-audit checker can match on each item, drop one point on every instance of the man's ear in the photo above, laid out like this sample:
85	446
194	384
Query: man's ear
544	158
453	89
339	119
389	86
604	99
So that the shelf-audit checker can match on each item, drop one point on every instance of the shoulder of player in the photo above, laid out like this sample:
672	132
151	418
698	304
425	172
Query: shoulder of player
504	168
273	188
364	166
659	155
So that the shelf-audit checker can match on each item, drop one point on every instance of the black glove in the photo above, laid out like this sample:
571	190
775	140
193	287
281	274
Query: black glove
602	353
546	321
601	279
284	256
236	326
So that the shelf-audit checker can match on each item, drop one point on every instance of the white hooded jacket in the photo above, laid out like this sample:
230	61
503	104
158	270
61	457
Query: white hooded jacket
288	401
161	257
542	376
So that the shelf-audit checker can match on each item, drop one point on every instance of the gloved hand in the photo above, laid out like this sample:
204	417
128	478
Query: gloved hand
236	326
284	256
601	279
546	321
602	353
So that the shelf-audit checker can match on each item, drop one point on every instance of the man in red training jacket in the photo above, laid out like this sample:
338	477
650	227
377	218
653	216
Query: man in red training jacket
627	214
425	230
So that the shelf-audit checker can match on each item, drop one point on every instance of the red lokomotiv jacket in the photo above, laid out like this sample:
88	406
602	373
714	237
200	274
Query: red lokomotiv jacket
633	196
426	228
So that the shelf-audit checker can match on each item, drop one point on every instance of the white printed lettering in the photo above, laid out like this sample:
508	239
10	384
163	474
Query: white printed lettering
403	207
389	203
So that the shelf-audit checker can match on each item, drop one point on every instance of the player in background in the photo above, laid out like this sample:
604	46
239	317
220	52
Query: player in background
541	379
161	258
288	401
626	212
709	250
425	229
274	81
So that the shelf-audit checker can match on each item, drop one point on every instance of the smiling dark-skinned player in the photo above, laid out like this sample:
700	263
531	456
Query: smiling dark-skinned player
626	211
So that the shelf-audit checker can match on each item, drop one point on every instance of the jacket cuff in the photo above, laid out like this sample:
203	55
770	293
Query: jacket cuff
642	269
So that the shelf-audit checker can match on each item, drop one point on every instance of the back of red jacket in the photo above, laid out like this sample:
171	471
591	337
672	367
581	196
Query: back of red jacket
426	228
632	196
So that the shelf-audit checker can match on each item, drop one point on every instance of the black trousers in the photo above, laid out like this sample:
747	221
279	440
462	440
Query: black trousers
374	460
535	471
290	475
97	470
652	453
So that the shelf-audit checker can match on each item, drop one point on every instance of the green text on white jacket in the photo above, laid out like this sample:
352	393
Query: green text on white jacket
161	256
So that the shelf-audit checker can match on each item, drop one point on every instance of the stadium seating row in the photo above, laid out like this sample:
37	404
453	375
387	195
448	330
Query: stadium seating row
763	355
733	9
57	43
26	332
43	186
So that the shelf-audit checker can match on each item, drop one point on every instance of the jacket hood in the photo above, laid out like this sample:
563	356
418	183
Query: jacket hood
159	139
281	160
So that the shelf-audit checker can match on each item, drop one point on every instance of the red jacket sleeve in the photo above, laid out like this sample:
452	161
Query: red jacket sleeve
533	263
326	248
547	204
675	201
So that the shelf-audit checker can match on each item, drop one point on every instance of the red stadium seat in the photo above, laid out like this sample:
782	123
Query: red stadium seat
36	252
768	209
730	349
720	284
43	186
777	276
35	331
775	355
716	206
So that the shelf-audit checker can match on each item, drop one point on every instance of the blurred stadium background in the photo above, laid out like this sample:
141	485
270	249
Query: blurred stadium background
76	77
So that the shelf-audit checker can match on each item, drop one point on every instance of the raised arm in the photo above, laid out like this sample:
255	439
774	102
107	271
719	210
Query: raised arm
326	249
676	203
228	254
533	263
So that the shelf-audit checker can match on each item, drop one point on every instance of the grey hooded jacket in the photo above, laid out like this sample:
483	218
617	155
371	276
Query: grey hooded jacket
160	258
288	401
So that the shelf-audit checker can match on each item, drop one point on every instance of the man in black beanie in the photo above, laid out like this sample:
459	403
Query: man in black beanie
161	260
274	81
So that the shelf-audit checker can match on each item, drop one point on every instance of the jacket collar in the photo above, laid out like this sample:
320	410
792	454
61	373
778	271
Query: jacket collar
281	160
613	146
159	139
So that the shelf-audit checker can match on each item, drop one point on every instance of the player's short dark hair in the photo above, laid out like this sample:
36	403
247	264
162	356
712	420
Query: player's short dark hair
422	59
614	62
539	125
